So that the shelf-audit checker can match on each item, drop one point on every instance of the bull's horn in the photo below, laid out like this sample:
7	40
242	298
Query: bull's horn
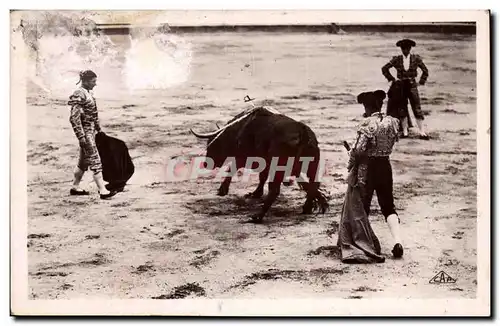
217	125
207	135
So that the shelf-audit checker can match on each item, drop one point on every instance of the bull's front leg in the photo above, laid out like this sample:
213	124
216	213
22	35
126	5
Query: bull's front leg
257	193
274	191
274	187
231	170
224	187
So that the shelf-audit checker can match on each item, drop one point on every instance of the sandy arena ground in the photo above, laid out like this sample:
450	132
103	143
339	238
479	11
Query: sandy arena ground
162	239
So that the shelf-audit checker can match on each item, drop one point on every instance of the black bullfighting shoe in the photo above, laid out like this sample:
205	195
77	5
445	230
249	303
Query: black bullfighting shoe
397	251
75	192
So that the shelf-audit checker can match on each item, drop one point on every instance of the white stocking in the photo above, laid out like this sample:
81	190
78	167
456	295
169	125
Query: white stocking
420	124
404	122
393	221
99	181
78	174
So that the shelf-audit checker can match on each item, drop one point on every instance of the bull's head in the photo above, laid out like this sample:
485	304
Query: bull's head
215	151
222	141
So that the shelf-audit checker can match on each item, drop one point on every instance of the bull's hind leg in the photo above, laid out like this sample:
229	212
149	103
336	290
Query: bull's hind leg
310	186
311	194
308	205
314	198
314	195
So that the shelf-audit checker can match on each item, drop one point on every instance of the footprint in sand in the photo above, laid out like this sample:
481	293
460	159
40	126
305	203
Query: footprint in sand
147	267
204	258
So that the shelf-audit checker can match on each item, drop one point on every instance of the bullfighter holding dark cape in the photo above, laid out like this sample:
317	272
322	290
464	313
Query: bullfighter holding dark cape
105	156
369	170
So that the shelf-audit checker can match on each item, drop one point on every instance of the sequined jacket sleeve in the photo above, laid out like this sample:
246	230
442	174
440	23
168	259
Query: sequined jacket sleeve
77	101
83	103
364	142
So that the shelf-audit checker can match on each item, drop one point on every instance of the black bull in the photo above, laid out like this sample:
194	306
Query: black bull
268	135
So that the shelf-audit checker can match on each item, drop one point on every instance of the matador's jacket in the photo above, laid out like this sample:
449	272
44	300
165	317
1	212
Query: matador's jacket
376	136
84	120
402	74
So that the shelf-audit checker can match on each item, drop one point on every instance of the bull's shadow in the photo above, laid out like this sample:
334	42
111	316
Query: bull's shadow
286	211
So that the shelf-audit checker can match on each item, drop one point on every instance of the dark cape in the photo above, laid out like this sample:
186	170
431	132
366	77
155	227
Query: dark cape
357	241
397	103
117	165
